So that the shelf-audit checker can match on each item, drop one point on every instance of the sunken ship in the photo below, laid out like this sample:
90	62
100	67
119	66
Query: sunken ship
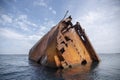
65	45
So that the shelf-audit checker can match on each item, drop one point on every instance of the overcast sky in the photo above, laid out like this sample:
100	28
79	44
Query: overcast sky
24	22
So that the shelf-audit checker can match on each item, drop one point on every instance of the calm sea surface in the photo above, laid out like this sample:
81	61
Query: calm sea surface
18	67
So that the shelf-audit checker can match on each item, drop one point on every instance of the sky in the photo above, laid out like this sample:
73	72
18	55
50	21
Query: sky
24	22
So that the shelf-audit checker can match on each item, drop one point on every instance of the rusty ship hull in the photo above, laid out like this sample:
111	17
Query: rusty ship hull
64	46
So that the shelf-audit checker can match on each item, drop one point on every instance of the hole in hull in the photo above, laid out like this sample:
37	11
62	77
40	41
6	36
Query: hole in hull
84	62
62	50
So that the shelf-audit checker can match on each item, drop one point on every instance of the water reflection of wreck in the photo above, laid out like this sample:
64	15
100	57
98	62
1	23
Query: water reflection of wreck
65	45
81	72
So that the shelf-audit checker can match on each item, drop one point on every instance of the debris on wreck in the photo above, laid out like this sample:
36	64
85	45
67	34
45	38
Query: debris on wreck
65	45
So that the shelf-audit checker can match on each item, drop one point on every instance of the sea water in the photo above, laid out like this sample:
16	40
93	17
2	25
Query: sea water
19	67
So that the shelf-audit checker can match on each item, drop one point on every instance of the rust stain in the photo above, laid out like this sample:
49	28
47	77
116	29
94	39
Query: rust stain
65	45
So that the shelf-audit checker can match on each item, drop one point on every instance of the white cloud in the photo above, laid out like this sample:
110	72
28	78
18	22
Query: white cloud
20	43
52	10
23	23
34	37
17	36
102	27
10	37
49	23
5	19
40	3
23	26
92	17
10	34
22	17
42	28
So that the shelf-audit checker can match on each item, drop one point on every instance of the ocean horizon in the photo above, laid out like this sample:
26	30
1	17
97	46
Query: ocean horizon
19	67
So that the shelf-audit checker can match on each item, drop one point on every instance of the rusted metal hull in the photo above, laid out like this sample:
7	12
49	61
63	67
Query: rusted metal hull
63	46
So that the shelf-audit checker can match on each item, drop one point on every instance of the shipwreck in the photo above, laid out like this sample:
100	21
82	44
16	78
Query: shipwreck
65	45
